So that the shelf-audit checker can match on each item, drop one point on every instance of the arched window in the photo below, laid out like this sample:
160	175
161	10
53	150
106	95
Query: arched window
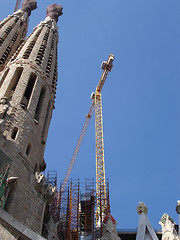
4	76
14	133
32	44
28	149
39	104
46	123
14	82
42	48
28	91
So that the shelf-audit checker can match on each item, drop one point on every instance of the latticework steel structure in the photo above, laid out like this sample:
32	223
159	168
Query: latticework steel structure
77	210
87	210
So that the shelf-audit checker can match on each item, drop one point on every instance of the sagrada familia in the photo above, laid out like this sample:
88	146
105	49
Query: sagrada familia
28	79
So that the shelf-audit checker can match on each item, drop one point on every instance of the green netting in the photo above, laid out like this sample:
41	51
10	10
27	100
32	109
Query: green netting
5	162
3	178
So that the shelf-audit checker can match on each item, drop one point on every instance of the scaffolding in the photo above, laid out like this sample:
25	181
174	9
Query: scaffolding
74	210
73	216
86	211
63	211
77	203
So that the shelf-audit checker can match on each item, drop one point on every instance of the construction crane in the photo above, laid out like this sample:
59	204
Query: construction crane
100	169
100	166
18	2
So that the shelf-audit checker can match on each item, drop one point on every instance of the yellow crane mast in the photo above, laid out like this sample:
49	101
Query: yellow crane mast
100	169
100	165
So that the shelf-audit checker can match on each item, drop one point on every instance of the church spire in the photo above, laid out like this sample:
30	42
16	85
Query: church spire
27	92
13	31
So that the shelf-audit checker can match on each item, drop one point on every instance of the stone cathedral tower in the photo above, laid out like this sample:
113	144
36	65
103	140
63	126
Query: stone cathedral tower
13	31
27	92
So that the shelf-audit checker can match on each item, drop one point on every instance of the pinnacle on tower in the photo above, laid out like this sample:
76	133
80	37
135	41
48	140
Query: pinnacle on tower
54	11
13	30
145	230
28	6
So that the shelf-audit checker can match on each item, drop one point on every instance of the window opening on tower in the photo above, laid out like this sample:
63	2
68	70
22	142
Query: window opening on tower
45	124
14	133
28	92
28	149
7	31
4	76
5	55
31	44
49	63
5	21
42	48
39	104
14	82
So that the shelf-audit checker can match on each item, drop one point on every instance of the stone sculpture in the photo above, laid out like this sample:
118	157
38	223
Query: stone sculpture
54	11
168	229
28	6
142	208
3	107
47	190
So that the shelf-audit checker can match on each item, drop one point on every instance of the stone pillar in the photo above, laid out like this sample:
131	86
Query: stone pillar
27	96
13	31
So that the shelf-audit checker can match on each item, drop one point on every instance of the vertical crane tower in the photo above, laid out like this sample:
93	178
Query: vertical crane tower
100	167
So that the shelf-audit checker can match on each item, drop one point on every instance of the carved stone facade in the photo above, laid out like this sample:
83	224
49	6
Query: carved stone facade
27	92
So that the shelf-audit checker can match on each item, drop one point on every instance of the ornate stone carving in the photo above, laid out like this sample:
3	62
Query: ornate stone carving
39	182
109	229
168	229
10	183
54	11
28	6
47	190
50	192
3	107
142	208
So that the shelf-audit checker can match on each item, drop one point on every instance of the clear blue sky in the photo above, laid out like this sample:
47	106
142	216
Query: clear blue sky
141	99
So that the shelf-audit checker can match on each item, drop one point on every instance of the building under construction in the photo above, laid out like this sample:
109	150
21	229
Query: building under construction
31	206
77	210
